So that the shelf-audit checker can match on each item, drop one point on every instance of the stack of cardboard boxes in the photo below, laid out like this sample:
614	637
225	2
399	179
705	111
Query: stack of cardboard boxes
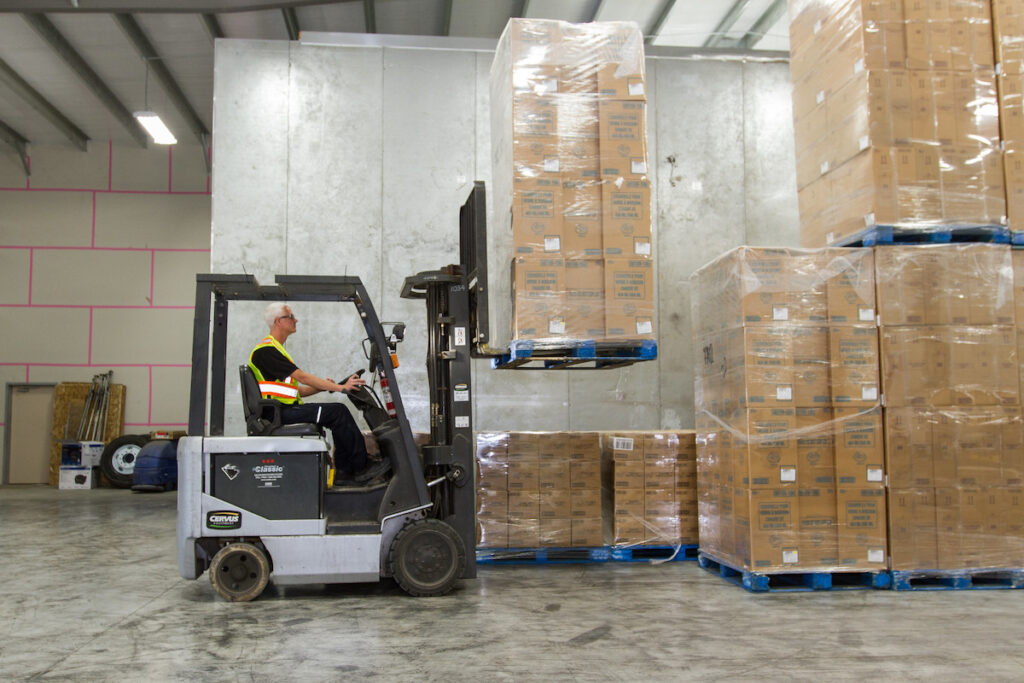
539	490
568	126
654	487
953	420
1008	20
789	431
895	114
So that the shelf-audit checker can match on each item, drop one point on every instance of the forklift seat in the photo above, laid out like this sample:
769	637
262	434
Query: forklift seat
263	415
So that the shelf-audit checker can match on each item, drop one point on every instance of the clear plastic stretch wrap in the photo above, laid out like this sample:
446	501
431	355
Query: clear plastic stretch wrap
896	116
1008	22
789	426
569	154
950	373
585	489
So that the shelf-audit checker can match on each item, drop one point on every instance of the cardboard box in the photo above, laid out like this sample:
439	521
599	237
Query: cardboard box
588	533
859	451
585	475
92	453
623	138
909	455
629	298
539	296
854	359
819	542
811	366
768	366
815	447
555	504
629	474
768	451
912	532
537	215
492	533
766	529
850	287
585	447
626	218
524	533
862	527
585	503
554	475
621	71
555	533
524	475
77	477
524	504
625	445
492	475
535	116
584	283
492	504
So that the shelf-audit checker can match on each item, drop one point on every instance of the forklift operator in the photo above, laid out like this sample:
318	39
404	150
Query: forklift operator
280	379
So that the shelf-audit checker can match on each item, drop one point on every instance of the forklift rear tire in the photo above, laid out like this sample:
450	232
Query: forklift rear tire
427	558
118	459
239	572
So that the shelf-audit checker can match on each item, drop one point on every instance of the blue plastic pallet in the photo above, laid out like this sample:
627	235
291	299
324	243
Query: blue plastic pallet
1017	239
957	579
795	581
574	354
542	555
585	555
652	553
947	234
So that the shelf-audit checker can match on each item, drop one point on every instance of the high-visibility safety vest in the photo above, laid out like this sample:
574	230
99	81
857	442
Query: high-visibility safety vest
286	391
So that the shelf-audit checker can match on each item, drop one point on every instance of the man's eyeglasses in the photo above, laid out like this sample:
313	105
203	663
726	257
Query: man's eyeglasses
287	317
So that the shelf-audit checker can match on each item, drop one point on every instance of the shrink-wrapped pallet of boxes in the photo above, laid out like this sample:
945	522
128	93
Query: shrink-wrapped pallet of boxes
569	181
789	431
954	440
895	116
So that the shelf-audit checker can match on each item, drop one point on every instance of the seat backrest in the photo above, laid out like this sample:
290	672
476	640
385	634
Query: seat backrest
253	403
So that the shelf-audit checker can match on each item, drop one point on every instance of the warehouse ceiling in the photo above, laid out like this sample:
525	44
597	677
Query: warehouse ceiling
73	71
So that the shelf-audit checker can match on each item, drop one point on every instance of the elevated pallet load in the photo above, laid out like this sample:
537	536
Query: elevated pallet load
568	129
1008	25
790	464
896	120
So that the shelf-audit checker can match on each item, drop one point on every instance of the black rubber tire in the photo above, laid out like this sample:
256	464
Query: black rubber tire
239	572
118	460
427	558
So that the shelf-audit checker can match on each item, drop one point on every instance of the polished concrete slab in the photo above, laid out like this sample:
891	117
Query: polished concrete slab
90	591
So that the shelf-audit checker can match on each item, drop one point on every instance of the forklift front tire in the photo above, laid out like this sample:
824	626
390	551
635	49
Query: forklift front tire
239	572
427	558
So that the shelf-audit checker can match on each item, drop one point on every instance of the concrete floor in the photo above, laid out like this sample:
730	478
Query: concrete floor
91	592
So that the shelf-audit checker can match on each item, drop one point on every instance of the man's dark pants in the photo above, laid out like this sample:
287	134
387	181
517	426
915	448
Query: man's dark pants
349	446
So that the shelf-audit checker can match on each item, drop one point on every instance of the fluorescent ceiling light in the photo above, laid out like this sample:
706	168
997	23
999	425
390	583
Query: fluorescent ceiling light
156	128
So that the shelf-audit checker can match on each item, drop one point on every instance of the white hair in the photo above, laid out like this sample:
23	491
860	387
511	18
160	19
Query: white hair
273	312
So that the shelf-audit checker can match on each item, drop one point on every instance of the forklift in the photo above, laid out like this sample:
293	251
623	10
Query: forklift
261	507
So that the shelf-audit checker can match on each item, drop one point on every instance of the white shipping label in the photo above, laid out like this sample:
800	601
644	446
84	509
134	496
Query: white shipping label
644	327
636	88
869	393
552	244
551	164
780	312
461	393
638	166
817	25
876	555
824	167
642	248
863	142
784	392
821	96
858	66
461	421
787	474
867	315
875	474
556	326
790	557
622	443
460	336
830	238
869	219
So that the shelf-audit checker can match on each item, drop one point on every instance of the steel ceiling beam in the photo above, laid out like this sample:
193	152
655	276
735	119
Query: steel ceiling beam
17	141
764	22
212	26
45	28
291	22
726	24
659	23
370	15
155	63
157	6
34	99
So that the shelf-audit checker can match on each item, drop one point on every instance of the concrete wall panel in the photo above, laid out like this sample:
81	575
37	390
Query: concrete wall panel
174	276
188	168
71	168
45	335
134	168
96	277
153	221
12	173
46	219
14	269
170	396
142	336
